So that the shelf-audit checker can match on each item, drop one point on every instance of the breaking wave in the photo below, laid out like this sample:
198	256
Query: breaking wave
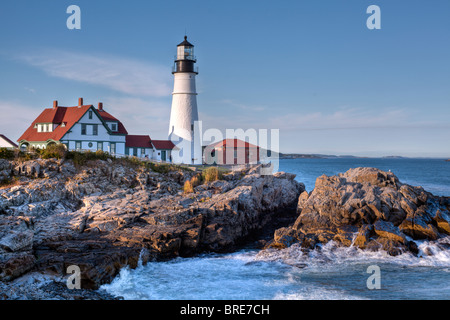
330	272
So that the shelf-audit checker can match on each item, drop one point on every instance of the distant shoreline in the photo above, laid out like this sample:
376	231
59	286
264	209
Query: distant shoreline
327	156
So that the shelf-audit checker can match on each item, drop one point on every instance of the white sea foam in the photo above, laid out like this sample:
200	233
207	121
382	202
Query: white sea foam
331	272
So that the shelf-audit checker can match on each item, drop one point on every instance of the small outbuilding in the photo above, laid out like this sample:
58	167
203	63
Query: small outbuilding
5	142
232	152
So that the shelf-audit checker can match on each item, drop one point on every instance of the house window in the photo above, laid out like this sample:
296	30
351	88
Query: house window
112	147
78	145
83	129
142	151
90	114
95	129
114	126
135	152
100	146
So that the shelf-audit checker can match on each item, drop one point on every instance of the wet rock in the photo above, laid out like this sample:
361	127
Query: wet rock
364	235
376	209
386	229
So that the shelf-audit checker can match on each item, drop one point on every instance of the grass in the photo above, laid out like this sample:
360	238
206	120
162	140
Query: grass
188	188
209	174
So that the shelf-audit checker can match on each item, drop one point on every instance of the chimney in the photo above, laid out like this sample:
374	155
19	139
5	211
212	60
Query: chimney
80	102
100	106
55	104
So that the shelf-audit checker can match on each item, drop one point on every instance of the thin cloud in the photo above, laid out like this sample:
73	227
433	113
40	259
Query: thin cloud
141	116
15	119
122	75
353	118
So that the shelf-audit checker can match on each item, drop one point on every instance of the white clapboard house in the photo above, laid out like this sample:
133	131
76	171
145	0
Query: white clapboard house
84	127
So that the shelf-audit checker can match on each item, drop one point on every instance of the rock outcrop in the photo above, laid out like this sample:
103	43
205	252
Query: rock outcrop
367	208
108	214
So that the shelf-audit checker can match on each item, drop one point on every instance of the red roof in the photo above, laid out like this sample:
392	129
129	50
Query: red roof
59	115
236	143
163	144
133	141
108	117
67	115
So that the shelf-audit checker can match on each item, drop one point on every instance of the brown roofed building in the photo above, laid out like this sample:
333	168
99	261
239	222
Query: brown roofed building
231	152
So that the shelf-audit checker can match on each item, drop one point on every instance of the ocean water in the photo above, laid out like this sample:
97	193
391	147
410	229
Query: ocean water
432	174
330	272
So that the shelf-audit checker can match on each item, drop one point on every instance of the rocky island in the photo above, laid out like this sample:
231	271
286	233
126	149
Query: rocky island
103	215
367	208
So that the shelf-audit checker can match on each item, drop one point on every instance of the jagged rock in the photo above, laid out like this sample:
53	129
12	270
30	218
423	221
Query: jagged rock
363	237
386	229
442	221
381	210
101	216
13	266
15	241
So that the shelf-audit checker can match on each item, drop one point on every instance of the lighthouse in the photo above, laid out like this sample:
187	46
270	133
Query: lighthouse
184	128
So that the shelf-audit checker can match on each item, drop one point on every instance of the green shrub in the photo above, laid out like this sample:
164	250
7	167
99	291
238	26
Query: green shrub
6	154
80	158
57	151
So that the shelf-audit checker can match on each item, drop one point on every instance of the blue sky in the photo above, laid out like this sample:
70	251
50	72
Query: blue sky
309	68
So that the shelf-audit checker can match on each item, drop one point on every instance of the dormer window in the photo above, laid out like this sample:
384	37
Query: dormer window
44	127
113	126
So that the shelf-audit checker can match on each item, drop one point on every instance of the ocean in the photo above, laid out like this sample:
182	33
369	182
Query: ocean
329	273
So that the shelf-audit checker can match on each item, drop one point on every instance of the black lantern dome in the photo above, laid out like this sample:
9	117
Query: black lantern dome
185	59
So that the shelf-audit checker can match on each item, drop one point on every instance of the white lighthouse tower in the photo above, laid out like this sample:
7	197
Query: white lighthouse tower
184	128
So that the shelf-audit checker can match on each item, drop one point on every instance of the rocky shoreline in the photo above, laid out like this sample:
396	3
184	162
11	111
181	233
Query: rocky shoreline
108	214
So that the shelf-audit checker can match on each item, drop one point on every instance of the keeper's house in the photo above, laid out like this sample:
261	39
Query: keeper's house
86	128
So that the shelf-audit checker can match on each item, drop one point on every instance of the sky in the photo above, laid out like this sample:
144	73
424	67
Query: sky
311	69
